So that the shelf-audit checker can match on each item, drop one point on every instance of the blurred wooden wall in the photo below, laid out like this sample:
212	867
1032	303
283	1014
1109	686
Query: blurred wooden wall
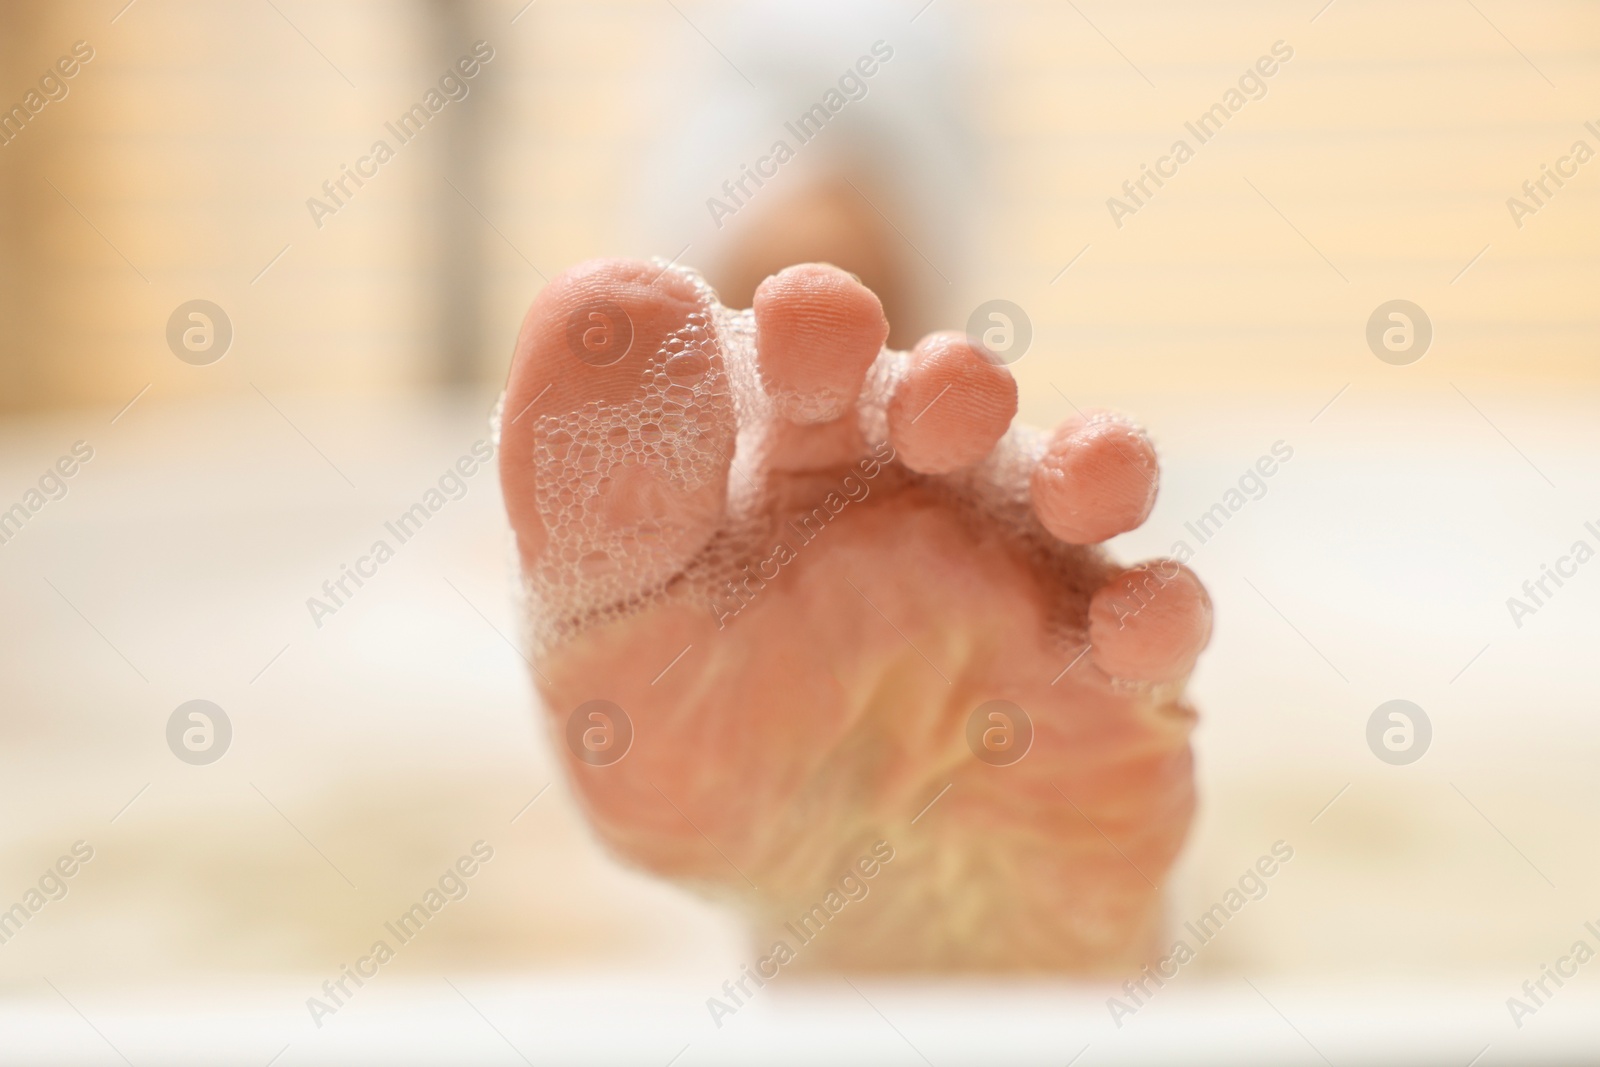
178	167
1377	166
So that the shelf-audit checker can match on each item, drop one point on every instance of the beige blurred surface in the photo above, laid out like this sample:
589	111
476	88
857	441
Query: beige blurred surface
372	751
402	729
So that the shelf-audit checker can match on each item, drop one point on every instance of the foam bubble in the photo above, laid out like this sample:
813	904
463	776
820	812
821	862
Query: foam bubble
666	443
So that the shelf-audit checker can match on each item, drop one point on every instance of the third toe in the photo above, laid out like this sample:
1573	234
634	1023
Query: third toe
953	406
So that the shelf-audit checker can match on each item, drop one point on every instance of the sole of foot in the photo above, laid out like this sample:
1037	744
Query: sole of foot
804	608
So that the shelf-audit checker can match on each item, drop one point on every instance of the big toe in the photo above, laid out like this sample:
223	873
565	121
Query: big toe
618	430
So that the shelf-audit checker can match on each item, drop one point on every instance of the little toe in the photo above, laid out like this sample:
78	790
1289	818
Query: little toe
1150	622
953	406
618	428
1098	478
817	332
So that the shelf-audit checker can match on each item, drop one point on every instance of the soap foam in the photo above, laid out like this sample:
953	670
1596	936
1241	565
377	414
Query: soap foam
595	571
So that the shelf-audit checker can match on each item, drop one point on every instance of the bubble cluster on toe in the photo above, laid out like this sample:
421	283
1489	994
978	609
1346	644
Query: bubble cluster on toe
652	477
644	490
616	483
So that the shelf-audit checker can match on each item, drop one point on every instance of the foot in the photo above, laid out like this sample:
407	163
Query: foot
797	570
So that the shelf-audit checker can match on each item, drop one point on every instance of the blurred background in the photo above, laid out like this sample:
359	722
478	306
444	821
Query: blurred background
367	339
